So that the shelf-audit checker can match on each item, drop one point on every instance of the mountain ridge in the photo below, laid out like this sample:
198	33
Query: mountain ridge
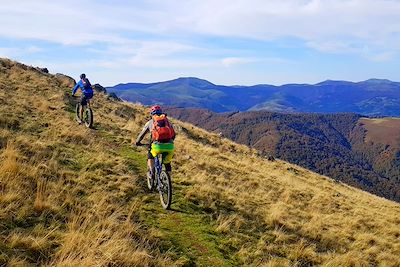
192	78
373	97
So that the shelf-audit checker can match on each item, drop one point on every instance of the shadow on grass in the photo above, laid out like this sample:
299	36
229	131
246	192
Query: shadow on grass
179	210
95	126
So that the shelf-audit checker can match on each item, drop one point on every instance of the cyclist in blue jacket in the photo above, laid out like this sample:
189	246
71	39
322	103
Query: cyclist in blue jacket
87	92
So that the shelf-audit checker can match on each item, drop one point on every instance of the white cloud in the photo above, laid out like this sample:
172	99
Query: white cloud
154	54
16	52
339	26
231	61
33	49
77	22
381	57
372	51
333	46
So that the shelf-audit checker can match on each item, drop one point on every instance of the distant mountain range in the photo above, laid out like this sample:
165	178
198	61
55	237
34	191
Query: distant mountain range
359	151
374	97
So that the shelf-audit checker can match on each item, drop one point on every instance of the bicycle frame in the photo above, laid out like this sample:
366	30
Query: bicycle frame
158	168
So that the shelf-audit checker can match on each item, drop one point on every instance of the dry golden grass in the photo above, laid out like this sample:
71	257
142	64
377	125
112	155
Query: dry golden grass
308	219
66	195
71	196
384	131
326	221
100	238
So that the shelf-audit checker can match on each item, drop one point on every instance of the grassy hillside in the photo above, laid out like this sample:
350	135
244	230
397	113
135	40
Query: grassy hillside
378	140
384	130
337	145
70	196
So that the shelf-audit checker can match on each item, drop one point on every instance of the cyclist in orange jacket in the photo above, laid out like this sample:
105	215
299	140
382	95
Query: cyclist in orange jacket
162	136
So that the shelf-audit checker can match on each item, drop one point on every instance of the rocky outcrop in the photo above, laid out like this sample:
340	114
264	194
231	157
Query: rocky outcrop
65	80
44	70
98	88
113	96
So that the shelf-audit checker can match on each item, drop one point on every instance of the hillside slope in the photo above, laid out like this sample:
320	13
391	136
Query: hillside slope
378	140
346	147
70	196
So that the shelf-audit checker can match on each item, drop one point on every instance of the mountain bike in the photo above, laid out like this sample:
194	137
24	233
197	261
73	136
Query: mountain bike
87	115
161	181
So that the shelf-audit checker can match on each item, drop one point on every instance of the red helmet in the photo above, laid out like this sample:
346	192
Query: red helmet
155	110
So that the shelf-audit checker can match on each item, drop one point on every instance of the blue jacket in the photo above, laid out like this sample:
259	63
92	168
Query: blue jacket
85	86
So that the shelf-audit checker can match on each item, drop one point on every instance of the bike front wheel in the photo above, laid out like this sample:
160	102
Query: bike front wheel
165	189
150	181
77	111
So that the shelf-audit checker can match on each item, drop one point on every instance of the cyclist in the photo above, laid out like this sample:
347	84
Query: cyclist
87	93
162	136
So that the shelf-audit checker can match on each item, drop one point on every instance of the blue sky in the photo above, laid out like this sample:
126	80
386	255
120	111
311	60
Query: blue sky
242	42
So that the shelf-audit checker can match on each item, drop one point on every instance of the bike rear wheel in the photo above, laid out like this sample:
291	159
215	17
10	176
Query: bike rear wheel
88	117
165	190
